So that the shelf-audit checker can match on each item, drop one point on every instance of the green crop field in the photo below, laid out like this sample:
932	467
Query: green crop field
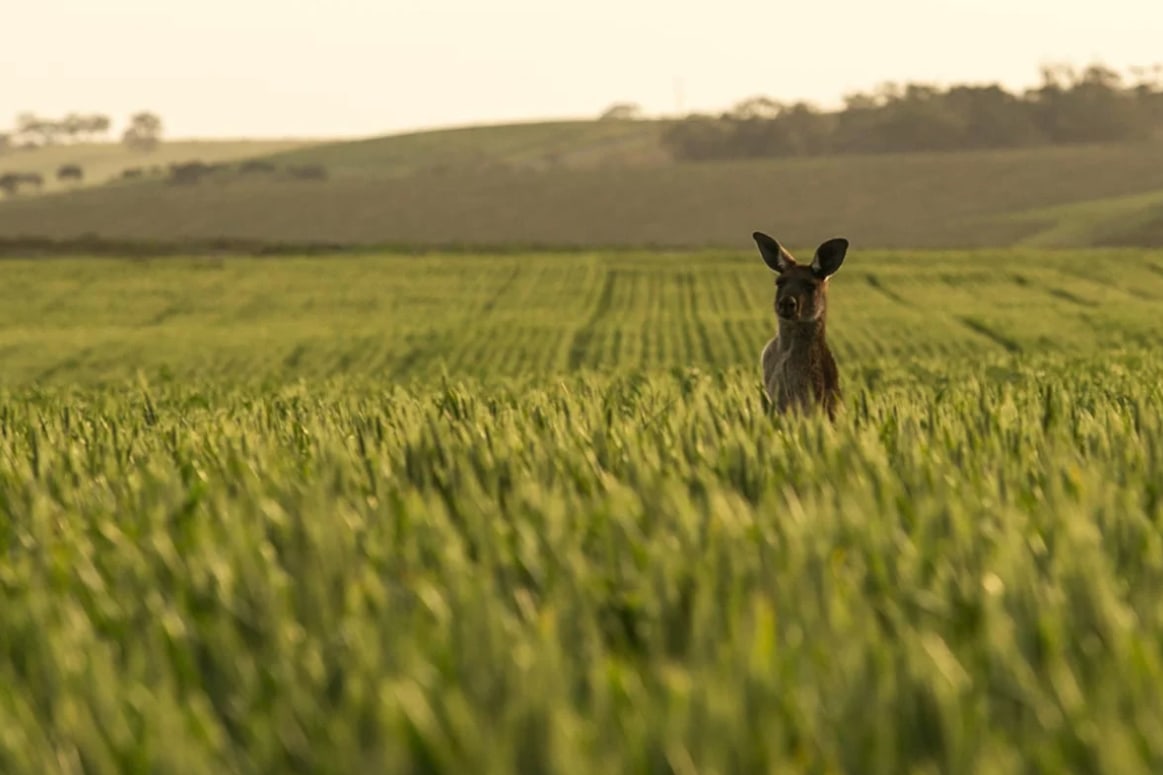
530	513
399	318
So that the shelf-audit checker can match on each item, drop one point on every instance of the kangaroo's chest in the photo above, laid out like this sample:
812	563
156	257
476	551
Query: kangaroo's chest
788	375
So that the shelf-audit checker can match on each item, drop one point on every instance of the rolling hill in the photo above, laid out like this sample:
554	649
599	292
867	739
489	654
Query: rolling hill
592	183
105	162
534	146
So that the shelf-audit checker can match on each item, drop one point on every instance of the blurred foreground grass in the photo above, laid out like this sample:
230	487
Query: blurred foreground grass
637	572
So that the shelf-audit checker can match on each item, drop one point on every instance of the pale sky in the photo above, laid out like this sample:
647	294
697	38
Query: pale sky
325	68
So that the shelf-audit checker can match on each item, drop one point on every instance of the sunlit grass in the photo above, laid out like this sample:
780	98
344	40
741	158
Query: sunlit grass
245	569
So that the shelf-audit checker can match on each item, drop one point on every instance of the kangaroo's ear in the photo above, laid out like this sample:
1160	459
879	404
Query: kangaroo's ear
829	256
776	258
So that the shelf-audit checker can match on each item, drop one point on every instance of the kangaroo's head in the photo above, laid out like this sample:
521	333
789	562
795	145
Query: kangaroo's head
801	291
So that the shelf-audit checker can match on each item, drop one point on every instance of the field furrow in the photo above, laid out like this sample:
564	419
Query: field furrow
404	317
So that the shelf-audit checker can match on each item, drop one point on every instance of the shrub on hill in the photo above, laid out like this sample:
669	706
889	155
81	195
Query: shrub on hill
1069	106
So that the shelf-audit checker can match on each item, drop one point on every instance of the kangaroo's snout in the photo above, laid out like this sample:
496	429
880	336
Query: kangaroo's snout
787	307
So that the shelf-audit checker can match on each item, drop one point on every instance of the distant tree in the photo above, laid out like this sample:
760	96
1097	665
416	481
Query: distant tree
5	142
761	126
186	173
858	101
70	172
34	130
1086	106
699	137
144	132
27	127
756	108
252	166
96	125
307	171
11	182
1069	106
72	126
990	117
1148	91
1148	81
79	127
622	111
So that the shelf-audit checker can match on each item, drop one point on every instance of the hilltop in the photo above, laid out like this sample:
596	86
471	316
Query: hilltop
613	183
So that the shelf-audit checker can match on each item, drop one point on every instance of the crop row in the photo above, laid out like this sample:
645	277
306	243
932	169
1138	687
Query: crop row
399	317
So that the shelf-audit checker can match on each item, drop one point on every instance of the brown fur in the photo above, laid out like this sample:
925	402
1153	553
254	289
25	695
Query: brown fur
799	372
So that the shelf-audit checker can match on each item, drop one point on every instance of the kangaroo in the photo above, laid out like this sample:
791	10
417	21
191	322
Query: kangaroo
799	371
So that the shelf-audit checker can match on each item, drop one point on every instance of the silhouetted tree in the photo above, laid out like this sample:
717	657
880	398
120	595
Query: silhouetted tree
144	131
70	172
1087	106
756	108
252	166
1069	106
72	126
77	127
700	137
307	171
34	130
11	182
189	172
97	125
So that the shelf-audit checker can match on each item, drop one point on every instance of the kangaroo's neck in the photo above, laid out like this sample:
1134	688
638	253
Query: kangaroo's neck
802	338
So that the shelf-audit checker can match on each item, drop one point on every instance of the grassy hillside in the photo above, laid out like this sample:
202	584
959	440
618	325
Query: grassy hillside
274	552
103	162
528	146
609	183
